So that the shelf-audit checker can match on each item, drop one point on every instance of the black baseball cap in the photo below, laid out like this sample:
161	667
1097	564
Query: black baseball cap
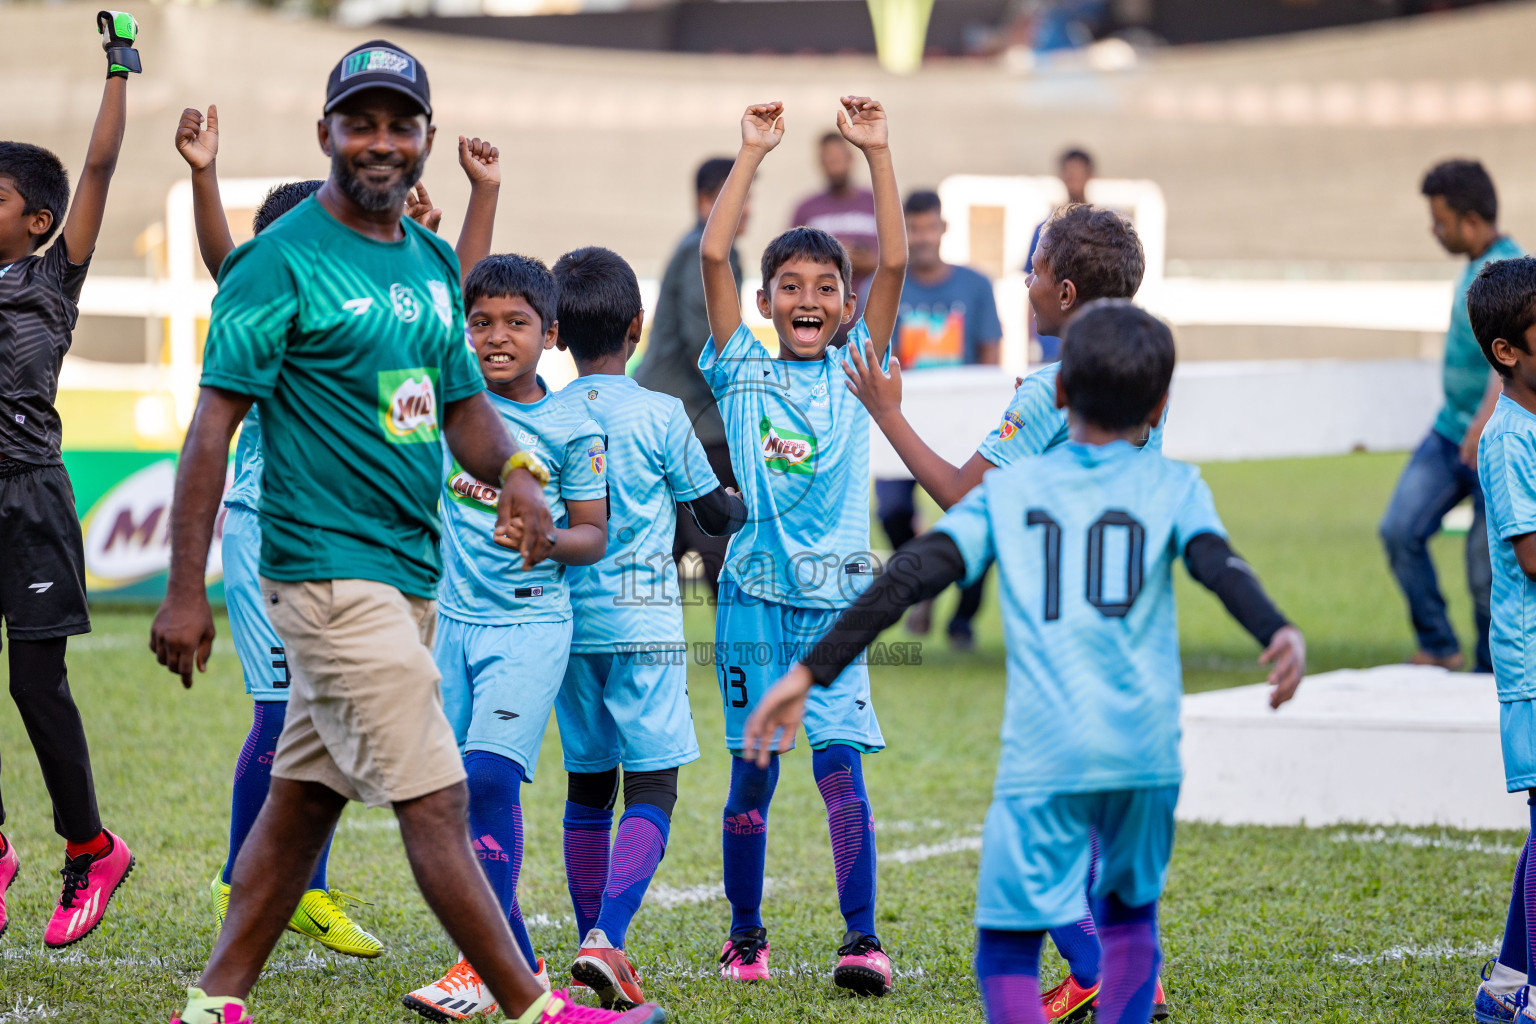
378	64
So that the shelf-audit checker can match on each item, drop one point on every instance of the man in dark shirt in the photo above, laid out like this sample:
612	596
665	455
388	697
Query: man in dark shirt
671	362
42	573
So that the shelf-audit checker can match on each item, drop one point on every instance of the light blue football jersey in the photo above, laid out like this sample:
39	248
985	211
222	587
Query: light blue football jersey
485	583
1085	537
1506	468
1032	424
246	490
800	448
654	462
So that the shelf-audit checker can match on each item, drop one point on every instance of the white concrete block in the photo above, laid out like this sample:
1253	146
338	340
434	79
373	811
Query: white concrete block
1395	745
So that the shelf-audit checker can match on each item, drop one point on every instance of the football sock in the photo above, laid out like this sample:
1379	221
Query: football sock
496	827
744	839
1008	973
1512	952
637	851
588	832
95	846
3	845
1527	889
1131	961
253	777
839	775
1078	945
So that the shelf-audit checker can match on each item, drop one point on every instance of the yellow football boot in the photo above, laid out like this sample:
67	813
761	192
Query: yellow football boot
322	918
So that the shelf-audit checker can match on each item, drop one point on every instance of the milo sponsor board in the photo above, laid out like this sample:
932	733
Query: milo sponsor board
124	503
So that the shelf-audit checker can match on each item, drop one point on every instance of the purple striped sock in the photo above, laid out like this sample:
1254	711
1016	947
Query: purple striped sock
588	831
638	850
840	777
1008	972
1013	999
1131	960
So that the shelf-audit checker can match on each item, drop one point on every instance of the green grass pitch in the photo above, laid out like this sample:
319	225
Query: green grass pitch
1336	924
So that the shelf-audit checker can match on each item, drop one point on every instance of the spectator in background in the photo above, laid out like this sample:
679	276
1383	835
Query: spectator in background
671	361
948	317
1464	211
847	214
1075	169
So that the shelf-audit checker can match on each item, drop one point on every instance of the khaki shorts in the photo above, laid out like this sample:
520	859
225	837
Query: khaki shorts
365	714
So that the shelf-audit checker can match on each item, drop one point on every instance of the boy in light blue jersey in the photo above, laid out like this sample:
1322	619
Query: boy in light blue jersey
503	630
800	448
1501	305
320	915
624	702
1084	537
1085	253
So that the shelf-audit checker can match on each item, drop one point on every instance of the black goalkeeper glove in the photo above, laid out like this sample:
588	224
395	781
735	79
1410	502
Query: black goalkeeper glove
119	30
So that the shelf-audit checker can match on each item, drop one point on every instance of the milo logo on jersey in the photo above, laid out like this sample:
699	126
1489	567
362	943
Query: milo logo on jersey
1011	425
470	492
408	405
787	451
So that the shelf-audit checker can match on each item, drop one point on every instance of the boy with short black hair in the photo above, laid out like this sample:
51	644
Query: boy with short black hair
1501	308
1085	253
624	701
800	449
42	576
504	631
1084	538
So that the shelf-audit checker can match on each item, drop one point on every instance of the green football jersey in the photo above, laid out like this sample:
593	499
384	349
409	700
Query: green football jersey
351	348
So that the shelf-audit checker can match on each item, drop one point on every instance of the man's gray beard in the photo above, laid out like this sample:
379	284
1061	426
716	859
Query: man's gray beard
375	200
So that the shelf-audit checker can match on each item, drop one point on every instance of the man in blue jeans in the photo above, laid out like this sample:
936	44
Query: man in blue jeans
1443	470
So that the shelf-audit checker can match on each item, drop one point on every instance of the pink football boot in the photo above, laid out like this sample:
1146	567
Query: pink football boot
89	883
9	865
863	967
745	956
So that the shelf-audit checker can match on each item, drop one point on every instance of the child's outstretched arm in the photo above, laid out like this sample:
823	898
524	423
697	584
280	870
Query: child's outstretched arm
583	541
198	144
862	122
83	224
762	126
482	165
880	392
1214	565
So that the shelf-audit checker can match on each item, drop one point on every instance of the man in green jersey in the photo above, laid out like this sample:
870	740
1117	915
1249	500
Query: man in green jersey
345	324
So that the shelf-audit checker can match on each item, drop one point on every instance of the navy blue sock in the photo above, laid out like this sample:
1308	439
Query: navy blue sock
744	840
1523	882
1131	962
253	777
1008	972
588	832
839	773
496	826
1079	946
637	852
1512	953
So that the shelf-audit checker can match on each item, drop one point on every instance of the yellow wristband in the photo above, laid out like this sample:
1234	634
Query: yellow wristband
525	459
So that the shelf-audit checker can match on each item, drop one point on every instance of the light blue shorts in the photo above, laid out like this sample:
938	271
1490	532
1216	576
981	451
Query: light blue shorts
629	709
1517	732
499	684
757	641
256	643
1035	851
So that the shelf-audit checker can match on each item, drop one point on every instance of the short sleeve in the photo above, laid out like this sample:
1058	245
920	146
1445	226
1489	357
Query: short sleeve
723	367
254	313
1511	494
968	525
1029	425
460	375
1196	514
981	322
858	338
584	473
689	473
68	277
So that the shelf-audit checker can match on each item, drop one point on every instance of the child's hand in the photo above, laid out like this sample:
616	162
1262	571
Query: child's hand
510	536
418	207
862	122
481	162
1287	656
198	144
771	727
880	392
762	126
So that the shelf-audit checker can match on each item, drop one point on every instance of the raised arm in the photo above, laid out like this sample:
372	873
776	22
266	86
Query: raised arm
880	393
182	633
863	123
198	144
482	165
762	126
83	223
